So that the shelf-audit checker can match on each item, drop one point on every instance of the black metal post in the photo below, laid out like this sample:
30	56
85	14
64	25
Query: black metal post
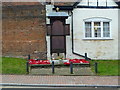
29	57
27	64
96	67
86	56
71	67
53	67
27	67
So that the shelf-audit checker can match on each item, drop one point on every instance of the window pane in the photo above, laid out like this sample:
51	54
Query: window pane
106	29
96	23
88	29
97	29
106	24
97	32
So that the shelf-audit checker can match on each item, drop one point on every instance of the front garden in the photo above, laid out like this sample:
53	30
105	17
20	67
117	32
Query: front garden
18	66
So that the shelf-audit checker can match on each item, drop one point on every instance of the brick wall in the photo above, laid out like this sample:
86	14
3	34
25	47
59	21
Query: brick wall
23	31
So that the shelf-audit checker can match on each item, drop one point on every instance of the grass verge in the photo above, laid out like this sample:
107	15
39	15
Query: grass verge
106	67
13	65
18	66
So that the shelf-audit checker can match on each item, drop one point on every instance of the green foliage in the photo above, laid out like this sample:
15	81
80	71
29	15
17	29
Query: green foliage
13	65
106	67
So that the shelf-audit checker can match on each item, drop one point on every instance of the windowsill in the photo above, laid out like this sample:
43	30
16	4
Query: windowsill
97	38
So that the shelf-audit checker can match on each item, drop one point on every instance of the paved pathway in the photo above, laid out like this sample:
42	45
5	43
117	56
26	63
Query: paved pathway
62	71
60	80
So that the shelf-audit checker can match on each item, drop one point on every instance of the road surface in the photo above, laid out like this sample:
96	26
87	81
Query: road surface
57	88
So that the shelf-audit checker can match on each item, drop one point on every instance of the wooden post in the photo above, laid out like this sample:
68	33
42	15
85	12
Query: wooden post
27	64
29	57
86	56
27	67
96	67
71	68
53	68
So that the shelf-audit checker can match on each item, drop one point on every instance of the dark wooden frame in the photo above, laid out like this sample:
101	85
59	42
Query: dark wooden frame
49	33
59	51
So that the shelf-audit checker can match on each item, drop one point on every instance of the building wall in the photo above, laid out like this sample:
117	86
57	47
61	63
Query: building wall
69	53
96	49
119	34
24	31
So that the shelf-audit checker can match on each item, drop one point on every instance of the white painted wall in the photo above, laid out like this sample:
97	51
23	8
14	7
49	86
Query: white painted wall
69	53
119	34
48	10
96	49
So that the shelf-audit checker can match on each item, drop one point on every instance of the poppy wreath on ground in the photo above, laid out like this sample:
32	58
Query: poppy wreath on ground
33	61
67	62
76	61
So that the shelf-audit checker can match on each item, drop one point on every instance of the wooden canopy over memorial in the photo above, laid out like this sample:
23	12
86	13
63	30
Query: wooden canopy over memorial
58	30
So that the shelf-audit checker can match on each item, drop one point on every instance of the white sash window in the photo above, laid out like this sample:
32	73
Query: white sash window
97	28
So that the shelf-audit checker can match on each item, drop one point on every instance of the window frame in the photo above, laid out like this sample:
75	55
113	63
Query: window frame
97	19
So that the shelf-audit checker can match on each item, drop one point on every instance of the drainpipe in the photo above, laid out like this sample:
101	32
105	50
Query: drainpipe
73	40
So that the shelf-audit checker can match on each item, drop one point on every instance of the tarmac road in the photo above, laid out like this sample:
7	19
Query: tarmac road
57	88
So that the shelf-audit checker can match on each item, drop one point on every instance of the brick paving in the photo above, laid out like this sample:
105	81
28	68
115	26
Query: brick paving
60	80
